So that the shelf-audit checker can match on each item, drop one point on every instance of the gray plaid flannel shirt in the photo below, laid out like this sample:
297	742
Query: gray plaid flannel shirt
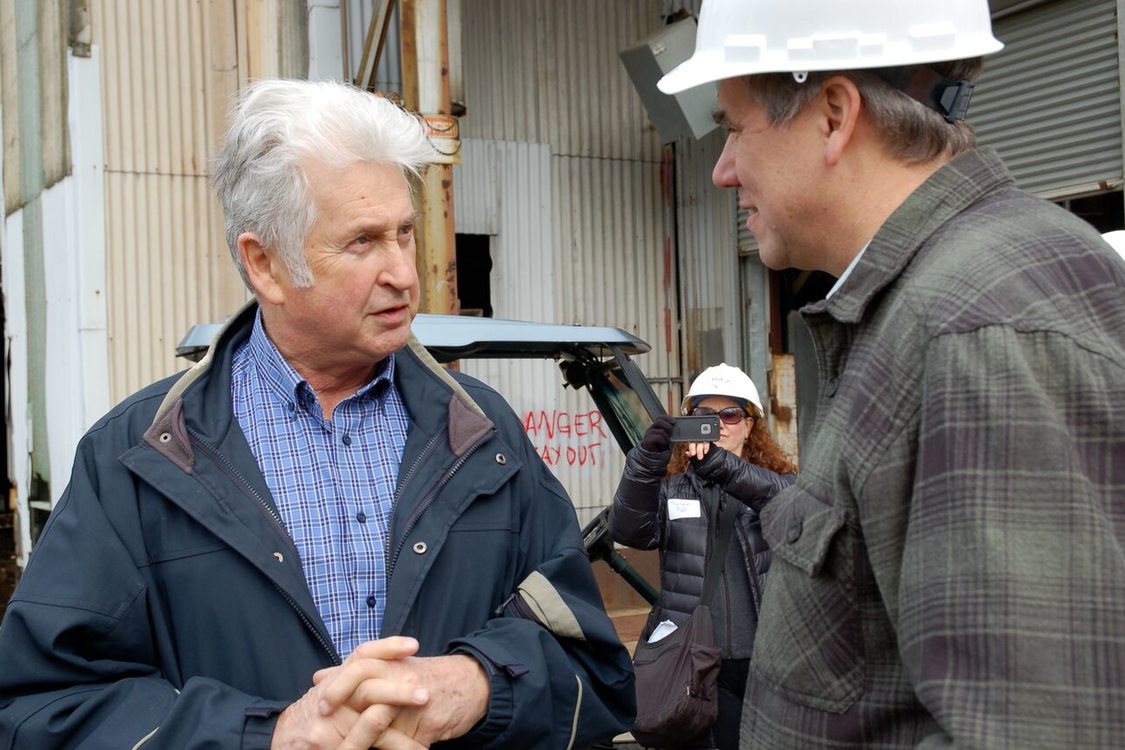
949	569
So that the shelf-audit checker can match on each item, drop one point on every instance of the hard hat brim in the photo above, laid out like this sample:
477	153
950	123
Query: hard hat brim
710	67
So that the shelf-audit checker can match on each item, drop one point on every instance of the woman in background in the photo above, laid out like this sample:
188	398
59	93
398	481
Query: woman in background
661	503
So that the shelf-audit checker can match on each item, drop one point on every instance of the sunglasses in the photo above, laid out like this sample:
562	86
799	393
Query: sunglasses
731	415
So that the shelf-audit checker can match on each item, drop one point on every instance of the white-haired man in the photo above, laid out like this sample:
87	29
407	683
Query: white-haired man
949	568
316	537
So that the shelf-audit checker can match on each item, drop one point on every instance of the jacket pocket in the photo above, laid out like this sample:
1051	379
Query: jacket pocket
810	639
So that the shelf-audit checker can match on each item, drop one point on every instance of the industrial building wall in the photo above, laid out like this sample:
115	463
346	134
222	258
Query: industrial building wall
56	381
1050	101
170	70
562	168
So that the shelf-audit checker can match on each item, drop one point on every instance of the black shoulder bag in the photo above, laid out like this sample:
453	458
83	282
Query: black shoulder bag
677	677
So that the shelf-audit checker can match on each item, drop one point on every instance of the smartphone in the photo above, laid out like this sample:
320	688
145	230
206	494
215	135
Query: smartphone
696	429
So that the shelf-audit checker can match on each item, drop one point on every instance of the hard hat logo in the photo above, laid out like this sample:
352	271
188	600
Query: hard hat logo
737	38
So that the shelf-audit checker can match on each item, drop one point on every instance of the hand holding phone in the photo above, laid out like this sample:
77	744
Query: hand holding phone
703	429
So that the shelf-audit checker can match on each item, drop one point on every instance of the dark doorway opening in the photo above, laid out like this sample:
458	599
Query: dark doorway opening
1106	211
474	270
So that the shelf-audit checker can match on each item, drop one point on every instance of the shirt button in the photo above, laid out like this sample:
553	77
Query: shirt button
361	517
371	601
347	439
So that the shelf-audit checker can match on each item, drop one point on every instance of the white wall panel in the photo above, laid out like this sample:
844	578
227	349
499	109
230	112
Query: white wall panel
476	187
581	201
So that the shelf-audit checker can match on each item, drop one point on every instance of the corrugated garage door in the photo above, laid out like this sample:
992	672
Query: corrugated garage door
1050	100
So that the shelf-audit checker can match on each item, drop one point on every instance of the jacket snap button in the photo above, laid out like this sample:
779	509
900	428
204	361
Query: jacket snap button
165	437
793	533
280	557
501	459
420	548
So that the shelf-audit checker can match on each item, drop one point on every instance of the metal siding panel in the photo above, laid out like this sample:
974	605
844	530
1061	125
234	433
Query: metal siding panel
708	259
167	265
590	107
476	183
523	249
159	288
548	72
1050	101
584	227
601	238
500	56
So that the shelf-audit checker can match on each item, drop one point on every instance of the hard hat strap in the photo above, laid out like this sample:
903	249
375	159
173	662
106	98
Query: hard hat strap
950	99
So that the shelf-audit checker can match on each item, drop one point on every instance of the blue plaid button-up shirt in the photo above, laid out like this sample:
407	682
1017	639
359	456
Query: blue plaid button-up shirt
333	481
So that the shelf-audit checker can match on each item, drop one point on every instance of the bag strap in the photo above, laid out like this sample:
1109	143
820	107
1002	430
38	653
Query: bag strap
718	541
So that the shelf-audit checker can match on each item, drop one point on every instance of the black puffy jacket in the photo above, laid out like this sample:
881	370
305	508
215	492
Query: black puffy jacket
640	519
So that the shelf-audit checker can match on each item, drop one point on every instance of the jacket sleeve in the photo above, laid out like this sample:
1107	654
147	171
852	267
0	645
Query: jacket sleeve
559	675
1008	601
751	484
635	517
77	657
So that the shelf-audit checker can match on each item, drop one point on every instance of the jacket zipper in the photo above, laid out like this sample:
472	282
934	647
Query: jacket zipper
756	588
401	487
730	624
232	473
427	501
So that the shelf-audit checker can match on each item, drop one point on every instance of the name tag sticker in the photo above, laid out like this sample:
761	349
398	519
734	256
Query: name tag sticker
680	508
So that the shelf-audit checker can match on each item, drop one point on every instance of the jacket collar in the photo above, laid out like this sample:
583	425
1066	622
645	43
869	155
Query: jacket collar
949	191
201	397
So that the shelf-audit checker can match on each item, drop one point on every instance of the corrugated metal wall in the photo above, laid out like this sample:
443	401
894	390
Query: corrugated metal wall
163	230
709	280
593	239
170	69
1050	101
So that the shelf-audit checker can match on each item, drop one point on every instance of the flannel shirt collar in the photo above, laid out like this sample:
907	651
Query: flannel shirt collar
949	191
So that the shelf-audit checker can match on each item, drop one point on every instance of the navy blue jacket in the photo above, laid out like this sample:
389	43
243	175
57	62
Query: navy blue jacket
165	606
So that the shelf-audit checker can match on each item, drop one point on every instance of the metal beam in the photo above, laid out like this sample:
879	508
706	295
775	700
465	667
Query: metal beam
373	44
425	73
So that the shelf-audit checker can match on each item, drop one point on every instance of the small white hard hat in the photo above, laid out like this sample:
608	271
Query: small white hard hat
738	38
723	380
1116	240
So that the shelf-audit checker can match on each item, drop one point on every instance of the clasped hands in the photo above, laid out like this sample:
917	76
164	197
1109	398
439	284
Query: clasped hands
383	696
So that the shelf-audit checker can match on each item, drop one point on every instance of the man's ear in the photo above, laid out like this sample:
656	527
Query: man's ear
841	105
263	268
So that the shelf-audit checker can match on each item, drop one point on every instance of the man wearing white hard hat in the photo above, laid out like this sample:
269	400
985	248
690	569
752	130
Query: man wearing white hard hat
949	568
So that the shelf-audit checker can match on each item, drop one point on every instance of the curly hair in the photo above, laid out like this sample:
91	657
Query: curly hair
759	449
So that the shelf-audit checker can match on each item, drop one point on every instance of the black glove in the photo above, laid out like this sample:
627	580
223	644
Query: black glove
658	437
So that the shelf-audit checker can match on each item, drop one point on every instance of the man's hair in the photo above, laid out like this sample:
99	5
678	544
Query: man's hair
911	131
278	124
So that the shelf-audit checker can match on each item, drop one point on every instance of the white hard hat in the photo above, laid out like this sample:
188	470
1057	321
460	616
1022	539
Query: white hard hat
738	38
723	380
1116	240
